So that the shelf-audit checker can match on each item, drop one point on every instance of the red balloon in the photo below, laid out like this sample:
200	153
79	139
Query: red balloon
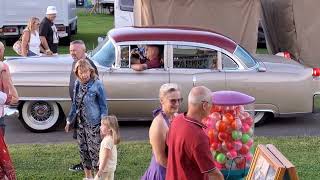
228	118
236	124
216	108
210	134
232	154
249	120
227	145
222	136
221	126
244	149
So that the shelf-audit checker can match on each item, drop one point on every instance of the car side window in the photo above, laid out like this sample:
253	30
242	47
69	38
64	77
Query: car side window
228	63
124	57
192	57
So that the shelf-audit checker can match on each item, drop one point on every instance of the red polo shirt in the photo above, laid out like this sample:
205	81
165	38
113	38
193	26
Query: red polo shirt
189	152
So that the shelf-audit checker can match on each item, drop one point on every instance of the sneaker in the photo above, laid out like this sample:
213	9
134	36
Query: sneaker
76	168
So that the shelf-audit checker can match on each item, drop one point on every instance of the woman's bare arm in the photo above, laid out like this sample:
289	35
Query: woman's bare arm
25	42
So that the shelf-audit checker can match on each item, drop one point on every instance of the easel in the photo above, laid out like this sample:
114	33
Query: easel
269	163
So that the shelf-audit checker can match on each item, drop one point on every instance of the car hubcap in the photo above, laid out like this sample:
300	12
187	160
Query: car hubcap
258	116
41	111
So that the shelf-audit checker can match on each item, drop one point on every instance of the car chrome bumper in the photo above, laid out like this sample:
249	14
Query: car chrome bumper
316	103
11	110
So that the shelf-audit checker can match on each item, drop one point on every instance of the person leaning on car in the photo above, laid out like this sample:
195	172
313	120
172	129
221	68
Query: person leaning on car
77	52
48	32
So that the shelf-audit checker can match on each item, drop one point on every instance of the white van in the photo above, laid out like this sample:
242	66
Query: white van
123	13
14	16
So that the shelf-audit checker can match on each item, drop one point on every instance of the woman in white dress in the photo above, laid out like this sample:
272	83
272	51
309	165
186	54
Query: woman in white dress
31	44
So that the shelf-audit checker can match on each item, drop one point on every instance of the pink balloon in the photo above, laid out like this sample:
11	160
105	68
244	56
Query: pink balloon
218	165
248	157
232	154
237	145
245	128
250	142
215	116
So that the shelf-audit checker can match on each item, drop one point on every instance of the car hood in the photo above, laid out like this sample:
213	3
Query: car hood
275	63
40	64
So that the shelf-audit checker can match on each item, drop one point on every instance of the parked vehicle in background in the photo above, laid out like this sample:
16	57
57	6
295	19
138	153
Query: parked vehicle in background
80	2
14	16
192	57
123	13
109	4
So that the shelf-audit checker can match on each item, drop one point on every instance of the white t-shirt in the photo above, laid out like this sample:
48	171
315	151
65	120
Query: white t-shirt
34	43
107	143
3	99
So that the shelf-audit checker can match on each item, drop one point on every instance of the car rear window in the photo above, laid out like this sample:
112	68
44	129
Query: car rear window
245	57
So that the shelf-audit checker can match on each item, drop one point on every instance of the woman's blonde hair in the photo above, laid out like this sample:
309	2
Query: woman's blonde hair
31	23
112	122
84	64
167	88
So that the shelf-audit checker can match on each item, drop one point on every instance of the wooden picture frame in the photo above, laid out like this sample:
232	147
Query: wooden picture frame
265	166
291	173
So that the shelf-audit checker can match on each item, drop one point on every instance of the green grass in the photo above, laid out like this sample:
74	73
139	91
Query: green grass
89	29
53	161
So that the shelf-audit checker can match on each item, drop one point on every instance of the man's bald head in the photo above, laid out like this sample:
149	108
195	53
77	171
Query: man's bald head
199	102
199	94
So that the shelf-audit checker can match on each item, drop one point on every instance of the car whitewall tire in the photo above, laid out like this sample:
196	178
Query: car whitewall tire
40	116
260	117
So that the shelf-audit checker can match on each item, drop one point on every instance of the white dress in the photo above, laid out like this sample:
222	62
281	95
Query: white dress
34	43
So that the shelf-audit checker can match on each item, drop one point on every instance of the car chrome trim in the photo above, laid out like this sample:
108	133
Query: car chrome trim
69	99
40	85
43	99
316	103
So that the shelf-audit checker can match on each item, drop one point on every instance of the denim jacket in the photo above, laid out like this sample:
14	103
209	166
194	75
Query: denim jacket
94	101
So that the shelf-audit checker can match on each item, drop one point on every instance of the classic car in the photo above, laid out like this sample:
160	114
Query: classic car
192	57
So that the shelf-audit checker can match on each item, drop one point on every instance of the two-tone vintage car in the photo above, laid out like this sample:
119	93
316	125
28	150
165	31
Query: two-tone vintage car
191	57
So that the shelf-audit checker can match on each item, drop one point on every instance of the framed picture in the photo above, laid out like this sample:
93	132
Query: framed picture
291	173
265	166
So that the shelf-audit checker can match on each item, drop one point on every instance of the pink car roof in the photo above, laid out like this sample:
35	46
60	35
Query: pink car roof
172	34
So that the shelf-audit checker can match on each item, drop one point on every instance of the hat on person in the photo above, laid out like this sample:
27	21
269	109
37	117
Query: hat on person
51	10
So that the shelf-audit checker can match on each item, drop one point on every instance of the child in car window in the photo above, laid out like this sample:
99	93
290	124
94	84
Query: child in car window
153	58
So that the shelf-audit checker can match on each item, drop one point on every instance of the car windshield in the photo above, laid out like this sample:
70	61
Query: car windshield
245	56
104	53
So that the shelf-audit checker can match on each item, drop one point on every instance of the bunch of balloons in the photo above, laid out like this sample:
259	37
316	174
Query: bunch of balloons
230	131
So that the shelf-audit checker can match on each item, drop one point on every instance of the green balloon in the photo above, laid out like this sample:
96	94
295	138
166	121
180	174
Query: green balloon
221	158
245	138
236	135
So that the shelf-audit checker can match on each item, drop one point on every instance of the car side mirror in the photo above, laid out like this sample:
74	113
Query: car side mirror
262	69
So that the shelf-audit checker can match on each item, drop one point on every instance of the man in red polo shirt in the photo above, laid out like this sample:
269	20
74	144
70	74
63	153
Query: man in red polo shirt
189	155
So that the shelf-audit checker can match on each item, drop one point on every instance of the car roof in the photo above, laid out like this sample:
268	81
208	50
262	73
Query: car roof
157	33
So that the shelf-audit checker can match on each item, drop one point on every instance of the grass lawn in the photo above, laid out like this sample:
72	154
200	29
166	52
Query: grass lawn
89	29
53	161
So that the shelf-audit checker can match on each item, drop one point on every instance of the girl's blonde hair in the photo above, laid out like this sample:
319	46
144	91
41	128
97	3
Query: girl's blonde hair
31	23
84	64
112	122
